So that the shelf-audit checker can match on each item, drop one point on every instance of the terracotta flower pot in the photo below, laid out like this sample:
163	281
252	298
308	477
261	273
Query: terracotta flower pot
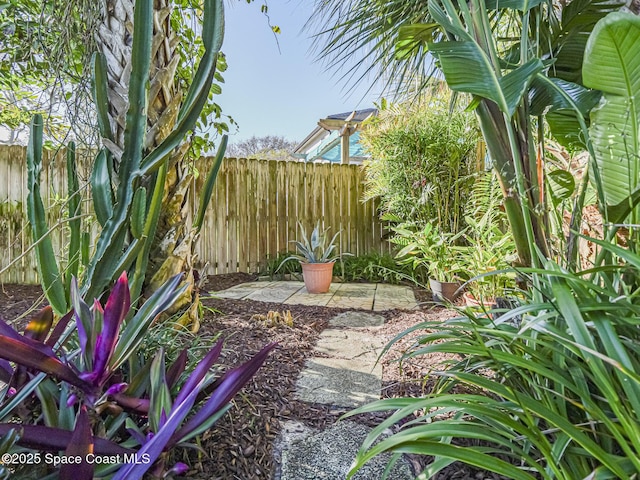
317	276
444	290
471	301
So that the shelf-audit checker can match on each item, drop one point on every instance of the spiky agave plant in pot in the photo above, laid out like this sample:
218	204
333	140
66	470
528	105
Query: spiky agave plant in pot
317	258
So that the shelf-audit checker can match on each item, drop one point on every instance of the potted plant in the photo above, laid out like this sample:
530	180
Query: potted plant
315	254
437	253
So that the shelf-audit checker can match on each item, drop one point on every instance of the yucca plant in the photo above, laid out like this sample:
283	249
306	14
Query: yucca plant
314	248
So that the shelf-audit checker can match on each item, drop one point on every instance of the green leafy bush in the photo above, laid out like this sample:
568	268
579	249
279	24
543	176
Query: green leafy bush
422	161
373	268
276	269
430	253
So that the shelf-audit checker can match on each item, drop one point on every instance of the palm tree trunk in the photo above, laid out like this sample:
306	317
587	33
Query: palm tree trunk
173	245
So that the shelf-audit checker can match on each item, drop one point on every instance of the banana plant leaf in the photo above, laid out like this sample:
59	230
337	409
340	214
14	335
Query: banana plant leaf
612	65
458	58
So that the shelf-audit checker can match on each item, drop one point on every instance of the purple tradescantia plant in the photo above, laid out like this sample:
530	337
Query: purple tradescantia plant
107	337
98	350
29	352
171	433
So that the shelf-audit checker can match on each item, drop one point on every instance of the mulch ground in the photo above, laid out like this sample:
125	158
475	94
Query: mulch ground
241	445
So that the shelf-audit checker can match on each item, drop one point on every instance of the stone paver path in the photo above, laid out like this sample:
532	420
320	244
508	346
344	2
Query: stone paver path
367	296
343	373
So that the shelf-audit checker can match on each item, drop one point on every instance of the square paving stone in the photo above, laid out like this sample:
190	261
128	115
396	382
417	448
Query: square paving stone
277	292
349	345
357	320
340	382
302	297
243	290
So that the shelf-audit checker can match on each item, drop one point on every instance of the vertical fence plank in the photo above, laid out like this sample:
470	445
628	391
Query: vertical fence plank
295	181
353	208
256	216
283	207
221	220
273	200
344	207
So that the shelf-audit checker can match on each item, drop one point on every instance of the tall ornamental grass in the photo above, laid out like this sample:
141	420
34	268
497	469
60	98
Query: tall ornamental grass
553	385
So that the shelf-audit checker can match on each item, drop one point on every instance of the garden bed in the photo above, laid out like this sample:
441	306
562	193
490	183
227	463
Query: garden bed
240	446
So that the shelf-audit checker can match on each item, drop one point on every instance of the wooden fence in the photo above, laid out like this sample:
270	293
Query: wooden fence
253	215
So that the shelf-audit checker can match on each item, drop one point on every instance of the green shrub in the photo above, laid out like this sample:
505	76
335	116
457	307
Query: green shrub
422	161
273	268
373	268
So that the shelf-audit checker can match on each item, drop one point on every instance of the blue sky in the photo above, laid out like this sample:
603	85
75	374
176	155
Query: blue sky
279	93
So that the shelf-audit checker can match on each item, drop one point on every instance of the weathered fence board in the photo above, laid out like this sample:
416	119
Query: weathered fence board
253	215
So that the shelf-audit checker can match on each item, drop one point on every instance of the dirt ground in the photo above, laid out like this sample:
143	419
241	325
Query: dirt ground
240	445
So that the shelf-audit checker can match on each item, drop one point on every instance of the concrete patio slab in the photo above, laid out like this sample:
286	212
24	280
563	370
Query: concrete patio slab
349	345
302	297
365	296
277	292
243	290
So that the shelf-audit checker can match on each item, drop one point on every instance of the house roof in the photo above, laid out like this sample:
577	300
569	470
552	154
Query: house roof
358	115
324	141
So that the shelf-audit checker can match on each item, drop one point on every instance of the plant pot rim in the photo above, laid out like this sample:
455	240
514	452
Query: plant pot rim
471	300
457	282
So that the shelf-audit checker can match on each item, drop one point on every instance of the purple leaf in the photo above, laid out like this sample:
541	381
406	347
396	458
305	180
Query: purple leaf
163	418
80	444
115	311
228	385
135	434
179	469
155	445
20	352
117	388
176	369
50	439
97	306
58	330
138	405
7	331
5	371
199	372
